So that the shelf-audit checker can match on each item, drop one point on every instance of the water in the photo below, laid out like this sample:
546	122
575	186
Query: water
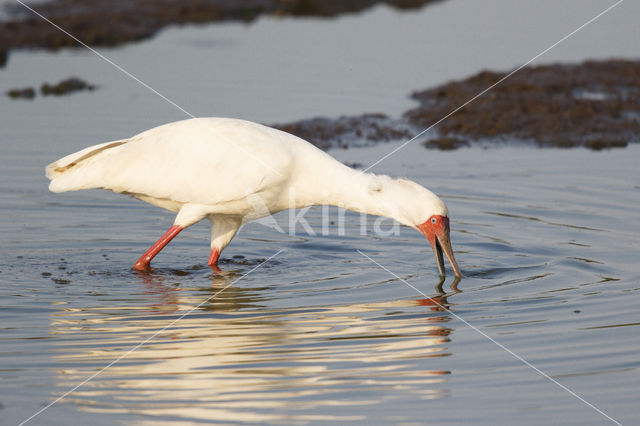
547	239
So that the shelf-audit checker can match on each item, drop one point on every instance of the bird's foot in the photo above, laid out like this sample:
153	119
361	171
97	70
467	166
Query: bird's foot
213	260
142	264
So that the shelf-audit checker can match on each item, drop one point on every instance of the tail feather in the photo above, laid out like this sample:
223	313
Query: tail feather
61	174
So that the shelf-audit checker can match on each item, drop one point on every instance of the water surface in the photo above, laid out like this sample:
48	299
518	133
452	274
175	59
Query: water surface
547	240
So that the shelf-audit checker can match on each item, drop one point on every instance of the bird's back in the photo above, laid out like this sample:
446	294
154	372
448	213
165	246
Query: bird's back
202	160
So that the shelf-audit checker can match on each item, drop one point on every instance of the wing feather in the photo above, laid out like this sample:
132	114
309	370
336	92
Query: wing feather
203	161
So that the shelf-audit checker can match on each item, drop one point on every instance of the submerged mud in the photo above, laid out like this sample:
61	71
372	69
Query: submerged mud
64	87
114	22
593	104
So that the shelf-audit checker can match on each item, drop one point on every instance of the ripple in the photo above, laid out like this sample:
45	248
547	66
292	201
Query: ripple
535	219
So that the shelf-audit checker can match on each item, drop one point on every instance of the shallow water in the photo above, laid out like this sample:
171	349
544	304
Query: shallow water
547	240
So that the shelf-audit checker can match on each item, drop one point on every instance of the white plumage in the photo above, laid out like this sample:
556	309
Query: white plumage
231	171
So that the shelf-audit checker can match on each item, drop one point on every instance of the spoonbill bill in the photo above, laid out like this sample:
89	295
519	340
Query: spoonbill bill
232	171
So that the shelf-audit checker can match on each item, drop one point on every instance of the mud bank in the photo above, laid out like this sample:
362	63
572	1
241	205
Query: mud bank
592	104
110	23
345	132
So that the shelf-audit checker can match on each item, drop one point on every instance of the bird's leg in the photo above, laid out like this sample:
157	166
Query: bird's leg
143	263
213	259
223	228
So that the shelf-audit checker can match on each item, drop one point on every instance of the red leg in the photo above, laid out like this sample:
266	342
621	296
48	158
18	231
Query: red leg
143	263
213	259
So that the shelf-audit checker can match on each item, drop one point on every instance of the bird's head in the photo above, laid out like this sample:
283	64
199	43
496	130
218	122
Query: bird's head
436	229
427	213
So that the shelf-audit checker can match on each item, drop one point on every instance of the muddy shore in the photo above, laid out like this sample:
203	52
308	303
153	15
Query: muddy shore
592	104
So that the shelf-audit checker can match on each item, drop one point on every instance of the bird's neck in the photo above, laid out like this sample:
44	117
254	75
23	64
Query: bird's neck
345	187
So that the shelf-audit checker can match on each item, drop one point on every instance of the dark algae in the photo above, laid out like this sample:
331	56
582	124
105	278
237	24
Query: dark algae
593	104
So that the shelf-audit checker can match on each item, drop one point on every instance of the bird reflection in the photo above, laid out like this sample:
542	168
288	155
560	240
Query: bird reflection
440	303
165	290
236	358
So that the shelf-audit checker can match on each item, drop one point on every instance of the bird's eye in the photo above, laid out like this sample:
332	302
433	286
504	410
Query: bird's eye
434	220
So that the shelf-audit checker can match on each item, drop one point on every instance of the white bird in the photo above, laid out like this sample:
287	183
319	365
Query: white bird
233	171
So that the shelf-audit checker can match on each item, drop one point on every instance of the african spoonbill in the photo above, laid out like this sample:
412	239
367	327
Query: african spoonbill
232	171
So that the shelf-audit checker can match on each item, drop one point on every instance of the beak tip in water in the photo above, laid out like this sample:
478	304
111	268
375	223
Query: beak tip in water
436	229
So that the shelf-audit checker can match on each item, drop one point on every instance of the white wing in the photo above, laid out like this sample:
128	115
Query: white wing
202	161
